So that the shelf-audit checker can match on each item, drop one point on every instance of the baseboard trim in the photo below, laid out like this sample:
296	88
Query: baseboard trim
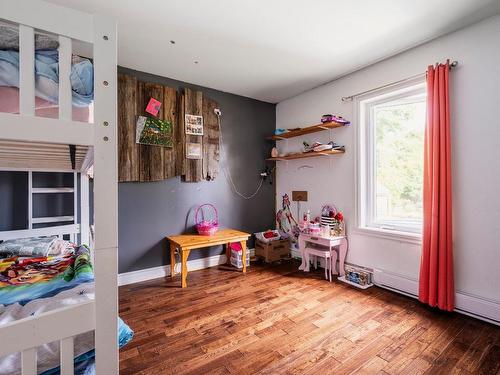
132	277
465	303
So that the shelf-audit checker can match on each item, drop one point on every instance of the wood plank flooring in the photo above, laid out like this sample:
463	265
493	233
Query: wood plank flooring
276	320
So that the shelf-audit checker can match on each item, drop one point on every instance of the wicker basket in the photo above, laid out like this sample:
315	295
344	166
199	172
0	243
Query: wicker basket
206	227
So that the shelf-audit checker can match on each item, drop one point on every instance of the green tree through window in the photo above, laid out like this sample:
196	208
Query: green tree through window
398	166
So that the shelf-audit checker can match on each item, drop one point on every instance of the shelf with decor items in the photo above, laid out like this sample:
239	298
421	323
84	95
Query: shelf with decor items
307	130
304	155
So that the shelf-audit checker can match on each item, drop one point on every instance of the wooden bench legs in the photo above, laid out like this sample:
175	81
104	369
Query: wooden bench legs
184	269
172	260
244	255
185	254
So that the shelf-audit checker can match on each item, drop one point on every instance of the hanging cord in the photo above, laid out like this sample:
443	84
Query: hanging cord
225	167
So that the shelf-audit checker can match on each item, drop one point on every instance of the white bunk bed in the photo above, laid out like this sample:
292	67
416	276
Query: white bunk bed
33	143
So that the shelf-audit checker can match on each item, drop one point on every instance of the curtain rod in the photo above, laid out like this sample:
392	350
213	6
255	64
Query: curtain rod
349	98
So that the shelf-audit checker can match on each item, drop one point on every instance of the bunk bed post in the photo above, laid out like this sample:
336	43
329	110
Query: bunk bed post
26	70
105	195
30	200
84	212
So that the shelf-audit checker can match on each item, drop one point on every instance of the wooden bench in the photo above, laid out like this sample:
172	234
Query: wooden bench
187	242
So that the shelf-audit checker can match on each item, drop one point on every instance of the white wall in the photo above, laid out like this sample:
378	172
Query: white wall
475	114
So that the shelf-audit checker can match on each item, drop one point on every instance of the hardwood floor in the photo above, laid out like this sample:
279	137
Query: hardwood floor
276	320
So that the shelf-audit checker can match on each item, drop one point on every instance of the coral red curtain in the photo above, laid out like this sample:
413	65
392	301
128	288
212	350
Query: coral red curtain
436	286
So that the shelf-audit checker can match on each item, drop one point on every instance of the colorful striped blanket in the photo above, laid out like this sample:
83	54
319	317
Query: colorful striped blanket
25	279
33	286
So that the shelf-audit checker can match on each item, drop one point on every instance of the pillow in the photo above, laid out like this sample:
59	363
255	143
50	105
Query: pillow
27	247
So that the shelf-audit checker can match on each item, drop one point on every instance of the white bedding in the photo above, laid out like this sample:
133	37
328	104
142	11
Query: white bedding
48	355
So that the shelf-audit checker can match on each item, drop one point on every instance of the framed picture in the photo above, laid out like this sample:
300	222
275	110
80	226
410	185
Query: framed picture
153	131
194	124
193	150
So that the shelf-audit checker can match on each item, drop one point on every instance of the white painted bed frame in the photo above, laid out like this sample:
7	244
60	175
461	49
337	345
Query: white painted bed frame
101	315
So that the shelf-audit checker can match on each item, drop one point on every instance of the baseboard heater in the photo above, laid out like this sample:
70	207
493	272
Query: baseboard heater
465	303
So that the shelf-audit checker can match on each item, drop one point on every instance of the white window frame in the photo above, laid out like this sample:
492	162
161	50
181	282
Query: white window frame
365	156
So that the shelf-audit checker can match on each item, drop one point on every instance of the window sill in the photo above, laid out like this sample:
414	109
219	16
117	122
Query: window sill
393	235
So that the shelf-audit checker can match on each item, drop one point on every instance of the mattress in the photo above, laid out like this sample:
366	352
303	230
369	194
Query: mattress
9	103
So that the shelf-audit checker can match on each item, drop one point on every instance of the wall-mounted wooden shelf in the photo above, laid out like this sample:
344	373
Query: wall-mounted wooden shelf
307	155
307	130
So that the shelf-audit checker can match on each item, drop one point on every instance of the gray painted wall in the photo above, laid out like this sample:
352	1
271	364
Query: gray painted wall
150	211
14	198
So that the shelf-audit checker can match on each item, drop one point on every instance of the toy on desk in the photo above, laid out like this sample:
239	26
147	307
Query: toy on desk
153	107
332	219
310	226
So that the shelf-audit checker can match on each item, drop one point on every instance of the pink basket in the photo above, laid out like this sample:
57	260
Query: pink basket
206	227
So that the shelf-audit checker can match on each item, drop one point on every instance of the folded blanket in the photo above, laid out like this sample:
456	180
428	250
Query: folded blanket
47	76
9	39
27	247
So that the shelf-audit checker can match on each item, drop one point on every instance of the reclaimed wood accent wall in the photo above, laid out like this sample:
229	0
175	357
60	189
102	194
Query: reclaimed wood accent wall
143	163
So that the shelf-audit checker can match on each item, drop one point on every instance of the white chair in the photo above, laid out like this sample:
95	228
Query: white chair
312	254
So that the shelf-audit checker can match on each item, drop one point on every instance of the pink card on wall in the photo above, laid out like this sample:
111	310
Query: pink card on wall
153	106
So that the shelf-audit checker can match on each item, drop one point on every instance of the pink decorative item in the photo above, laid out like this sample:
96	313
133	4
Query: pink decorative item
153	106
206	227
235	246
314	228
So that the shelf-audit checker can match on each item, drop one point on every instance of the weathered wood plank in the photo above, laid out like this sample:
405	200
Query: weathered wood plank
211	152
151	156
144	156
128	150
180	139
193	105
170	114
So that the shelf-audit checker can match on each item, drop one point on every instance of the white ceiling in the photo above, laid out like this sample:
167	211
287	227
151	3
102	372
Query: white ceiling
274	49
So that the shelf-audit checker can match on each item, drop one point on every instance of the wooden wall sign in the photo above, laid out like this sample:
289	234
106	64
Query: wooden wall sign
154	163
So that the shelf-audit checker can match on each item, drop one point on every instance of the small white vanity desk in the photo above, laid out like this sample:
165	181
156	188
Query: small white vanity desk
312	246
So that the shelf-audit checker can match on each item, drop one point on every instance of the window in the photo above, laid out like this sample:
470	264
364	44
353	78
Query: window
391	159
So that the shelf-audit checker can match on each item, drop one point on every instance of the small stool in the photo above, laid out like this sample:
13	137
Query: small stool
329	256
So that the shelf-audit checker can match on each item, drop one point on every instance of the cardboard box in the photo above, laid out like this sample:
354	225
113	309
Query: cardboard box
272	251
